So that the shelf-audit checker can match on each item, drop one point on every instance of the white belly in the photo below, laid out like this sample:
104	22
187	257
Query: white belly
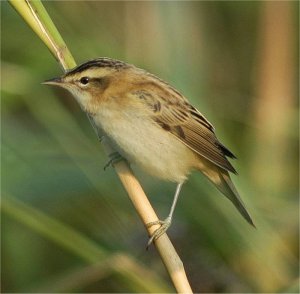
145	143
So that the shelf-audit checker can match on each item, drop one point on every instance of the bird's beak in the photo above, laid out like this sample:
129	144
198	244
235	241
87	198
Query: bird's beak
54	82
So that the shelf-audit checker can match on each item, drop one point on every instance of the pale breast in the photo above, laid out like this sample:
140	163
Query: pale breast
143	142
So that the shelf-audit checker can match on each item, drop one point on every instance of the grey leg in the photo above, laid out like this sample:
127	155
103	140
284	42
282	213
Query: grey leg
165	224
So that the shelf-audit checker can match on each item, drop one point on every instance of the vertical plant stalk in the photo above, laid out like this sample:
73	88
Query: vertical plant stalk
36	16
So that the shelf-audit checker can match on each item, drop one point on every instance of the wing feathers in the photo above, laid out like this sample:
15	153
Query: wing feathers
174	114
206	148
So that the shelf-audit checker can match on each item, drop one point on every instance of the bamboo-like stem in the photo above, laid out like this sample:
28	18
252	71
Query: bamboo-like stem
38	19
34	13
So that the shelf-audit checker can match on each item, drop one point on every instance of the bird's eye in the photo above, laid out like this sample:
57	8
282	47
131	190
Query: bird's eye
84	80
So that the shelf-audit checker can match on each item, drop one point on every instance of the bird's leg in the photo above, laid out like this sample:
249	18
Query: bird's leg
165	224
113	158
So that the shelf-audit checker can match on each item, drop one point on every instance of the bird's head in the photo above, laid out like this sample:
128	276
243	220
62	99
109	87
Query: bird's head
88	81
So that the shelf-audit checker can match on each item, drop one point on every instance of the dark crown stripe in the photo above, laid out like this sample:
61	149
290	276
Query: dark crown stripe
99	62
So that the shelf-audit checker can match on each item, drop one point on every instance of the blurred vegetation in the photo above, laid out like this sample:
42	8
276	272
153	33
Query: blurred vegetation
67	226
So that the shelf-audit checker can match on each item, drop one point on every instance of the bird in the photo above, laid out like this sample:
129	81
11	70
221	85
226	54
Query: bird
151	124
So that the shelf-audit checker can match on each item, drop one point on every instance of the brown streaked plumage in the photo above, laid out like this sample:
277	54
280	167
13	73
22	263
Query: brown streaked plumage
151	124
185	122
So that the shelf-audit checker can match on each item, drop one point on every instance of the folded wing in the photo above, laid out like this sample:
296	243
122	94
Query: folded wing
174	113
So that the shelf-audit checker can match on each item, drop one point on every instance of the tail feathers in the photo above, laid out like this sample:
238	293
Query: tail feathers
227	188
223	182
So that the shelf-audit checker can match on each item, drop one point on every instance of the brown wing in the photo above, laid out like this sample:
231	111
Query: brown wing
173	113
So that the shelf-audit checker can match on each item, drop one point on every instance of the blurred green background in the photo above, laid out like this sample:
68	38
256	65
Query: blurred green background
68	226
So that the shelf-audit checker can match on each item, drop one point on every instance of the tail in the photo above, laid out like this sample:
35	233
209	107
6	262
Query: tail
223	182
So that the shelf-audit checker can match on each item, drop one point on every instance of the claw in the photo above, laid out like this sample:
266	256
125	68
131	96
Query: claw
165	224
114	158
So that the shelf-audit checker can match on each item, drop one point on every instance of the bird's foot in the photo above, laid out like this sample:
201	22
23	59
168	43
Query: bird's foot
165	224
113	158
101	138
